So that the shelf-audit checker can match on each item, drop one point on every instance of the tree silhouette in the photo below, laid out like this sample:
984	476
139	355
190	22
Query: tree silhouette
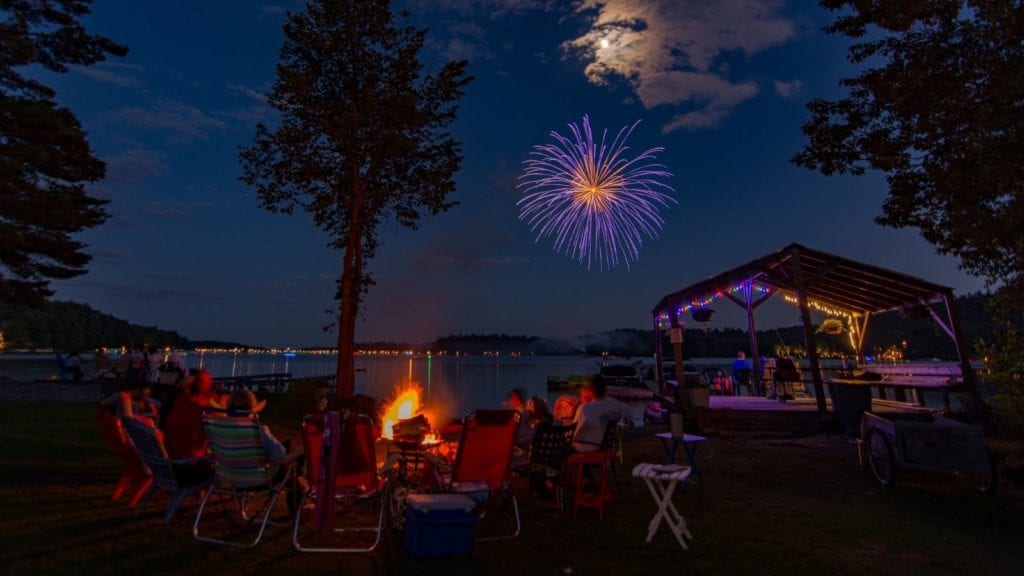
363	137
939	108
45	160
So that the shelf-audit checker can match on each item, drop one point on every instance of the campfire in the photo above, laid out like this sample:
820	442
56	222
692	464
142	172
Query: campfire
405	422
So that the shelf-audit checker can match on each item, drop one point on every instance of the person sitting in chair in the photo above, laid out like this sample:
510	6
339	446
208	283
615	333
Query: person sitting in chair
243	400
134	402
785	371
742	373
593	417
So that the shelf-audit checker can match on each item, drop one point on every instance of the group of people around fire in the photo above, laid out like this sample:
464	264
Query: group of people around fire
178	419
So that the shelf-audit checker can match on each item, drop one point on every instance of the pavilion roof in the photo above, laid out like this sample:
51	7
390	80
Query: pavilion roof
831	280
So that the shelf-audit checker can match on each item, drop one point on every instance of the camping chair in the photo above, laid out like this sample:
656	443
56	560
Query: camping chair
719	383
551	446
785	372
341	460
242	471
604	460
482	463
171	475
134	470
743	377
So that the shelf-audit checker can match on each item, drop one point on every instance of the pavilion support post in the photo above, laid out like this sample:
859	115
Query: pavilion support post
755	355
862	328
659	366
970	378
809	340
676	338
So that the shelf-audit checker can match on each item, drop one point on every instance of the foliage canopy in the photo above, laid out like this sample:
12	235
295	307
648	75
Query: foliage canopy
939	109
363	137
45	160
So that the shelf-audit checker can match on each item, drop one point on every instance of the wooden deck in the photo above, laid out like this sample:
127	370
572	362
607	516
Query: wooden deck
727	414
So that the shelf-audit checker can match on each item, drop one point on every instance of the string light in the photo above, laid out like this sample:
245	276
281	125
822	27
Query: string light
820	307
663	318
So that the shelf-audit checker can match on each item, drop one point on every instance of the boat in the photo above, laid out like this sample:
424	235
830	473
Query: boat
569	384
625	382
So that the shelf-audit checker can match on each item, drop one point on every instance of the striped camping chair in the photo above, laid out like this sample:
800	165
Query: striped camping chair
244	475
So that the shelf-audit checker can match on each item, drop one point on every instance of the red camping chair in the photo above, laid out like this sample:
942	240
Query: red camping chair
134	470
483	461
341	460
603	459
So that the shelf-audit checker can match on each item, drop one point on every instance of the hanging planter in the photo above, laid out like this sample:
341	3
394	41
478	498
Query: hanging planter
701	315
833	326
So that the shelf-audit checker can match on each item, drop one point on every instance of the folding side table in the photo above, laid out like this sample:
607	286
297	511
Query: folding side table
662	480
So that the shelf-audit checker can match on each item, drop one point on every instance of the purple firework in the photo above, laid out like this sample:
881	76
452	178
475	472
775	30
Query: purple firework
595	202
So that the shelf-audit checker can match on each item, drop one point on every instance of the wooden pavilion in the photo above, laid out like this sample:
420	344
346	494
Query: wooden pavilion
812	279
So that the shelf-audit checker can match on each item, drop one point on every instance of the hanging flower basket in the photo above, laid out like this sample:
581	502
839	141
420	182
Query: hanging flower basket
832	326
701	314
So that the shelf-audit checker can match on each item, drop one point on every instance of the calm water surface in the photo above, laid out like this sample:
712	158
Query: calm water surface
456	384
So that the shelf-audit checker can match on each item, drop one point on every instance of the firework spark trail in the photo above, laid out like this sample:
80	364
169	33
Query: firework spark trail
596	203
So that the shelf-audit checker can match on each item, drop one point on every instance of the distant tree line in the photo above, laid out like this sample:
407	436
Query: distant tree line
64	326
917	339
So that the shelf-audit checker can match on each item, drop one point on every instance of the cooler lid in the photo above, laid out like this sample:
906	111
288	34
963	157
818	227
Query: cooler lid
428	502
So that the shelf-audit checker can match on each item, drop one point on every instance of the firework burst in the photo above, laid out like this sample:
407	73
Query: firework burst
598	204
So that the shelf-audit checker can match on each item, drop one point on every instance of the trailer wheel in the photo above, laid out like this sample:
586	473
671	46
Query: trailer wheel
881	457
985	481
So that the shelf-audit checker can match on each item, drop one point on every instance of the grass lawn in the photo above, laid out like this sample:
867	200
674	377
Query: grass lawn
770	506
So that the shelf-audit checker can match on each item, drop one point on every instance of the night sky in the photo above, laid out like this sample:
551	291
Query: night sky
720	85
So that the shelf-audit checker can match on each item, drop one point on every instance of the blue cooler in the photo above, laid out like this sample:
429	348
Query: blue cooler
439	524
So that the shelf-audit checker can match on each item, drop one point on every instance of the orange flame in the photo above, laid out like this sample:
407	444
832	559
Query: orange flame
405	406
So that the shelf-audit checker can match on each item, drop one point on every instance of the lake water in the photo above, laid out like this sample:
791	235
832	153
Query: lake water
456	384
453	385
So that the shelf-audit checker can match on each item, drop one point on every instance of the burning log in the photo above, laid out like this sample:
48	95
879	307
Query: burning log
415	427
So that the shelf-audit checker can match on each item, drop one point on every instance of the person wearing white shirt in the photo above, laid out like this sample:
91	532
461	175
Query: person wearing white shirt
593	417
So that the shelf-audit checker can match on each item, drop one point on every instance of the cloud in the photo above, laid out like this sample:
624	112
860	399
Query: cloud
670	51
695	120
258	94
152	293
477	262
677	87
249	116
462	49
787	89
269	11
183	121
467	28
492	8
118	73
107	254
180	279
161	210
134	165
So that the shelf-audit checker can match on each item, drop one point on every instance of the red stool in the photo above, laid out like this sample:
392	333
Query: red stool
591	498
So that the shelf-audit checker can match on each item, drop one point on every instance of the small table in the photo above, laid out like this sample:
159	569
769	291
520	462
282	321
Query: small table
662	481
689	441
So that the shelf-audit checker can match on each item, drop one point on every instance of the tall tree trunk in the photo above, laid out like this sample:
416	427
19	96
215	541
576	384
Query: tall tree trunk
351	293
347	312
